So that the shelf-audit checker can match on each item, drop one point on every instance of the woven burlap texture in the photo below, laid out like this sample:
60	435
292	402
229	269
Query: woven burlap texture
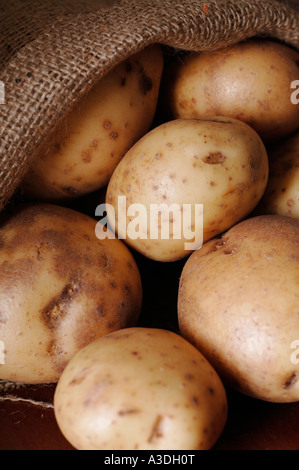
53	52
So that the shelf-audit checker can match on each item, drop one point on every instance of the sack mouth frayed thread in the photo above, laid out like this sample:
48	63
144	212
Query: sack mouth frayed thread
50	74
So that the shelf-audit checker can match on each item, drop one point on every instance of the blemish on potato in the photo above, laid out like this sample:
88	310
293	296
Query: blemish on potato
214	158
79	377
114	135
128	411
70	190
100	310
194	401
107	124
156	431
129	264
102	260
57	307
14	271
145	83
128	67
189	377
86	156
290	380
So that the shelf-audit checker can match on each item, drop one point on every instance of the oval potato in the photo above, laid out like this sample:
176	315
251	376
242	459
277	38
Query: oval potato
218	162
238	304
60	288
250	81
93	138
281	196
140	389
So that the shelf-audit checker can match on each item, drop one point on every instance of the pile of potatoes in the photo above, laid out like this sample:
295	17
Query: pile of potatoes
214	131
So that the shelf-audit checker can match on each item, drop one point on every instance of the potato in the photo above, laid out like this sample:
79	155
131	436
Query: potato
250	81
89	143
140	389
60	288
281	196
238	304
218	162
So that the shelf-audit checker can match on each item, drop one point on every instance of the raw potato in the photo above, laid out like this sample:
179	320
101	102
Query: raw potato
140	389
282	192
238	304
93	138
250	81
60	288
218	162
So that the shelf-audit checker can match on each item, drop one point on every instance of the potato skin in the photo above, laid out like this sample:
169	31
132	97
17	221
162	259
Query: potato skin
238	304
218	162
250	81
93	138
140	389
60	288
281	196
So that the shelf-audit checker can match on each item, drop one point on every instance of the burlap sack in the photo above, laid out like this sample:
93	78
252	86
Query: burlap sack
53	51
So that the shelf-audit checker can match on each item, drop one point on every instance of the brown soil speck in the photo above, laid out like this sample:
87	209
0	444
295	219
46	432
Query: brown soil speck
290	380
145	84
107	124
128	411
214	158
86	157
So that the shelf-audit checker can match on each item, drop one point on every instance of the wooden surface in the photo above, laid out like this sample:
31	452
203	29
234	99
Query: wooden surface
27	419
27	422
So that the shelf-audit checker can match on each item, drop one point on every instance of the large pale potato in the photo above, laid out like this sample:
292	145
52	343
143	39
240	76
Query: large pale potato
238	304
282	192
218	162
140	389
92	139
60	288
250	81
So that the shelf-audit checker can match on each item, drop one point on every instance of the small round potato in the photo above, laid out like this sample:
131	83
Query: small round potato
140	389
156	191
281	196
60	288
93	138
250	81
238	304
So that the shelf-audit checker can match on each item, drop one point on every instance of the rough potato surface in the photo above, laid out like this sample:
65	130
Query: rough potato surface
238	303
60	288
140	389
